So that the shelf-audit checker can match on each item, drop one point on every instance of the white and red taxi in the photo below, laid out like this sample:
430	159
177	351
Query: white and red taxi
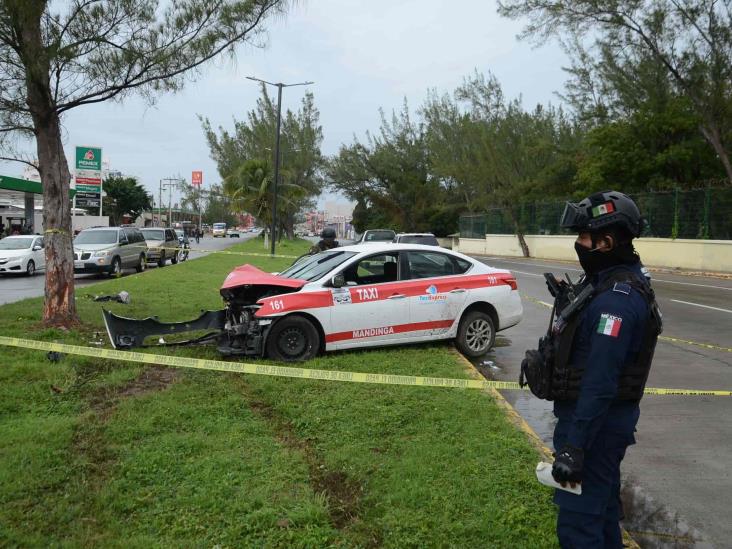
362	296
353	296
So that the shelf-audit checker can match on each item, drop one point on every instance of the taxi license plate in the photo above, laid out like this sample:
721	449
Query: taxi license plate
78	264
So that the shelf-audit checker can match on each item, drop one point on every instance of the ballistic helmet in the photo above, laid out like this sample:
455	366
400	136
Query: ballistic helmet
328	232
603	210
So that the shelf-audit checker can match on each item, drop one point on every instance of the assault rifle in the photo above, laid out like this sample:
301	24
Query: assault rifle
568	299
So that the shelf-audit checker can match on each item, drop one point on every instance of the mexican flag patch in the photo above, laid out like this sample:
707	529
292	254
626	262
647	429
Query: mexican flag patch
609	325
603	209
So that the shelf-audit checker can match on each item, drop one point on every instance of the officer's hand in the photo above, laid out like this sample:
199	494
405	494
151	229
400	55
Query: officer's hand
559	289
568	466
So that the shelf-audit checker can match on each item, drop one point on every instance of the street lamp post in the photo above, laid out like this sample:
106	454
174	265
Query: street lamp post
275	181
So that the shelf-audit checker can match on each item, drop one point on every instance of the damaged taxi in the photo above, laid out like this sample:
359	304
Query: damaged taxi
349	297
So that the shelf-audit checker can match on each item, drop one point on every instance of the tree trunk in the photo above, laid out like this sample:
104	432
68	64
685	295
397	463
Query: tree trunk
519	234
711	134
59	308
522	243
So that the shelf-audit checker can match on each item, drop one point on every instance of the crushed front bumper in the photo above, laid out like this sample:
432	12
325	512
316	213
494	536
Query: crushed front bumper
243	338
125	333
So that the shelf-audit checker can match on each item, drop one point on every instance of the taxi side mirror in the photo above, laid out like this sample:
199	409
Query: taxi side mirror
37	247
338	281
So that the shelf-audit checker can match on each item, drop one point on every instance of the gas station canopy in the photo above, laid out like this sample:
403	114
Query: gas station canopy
24	185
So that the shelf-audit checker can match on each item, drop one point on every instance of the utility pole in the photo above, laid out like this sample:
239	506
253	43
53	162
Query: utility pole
200	210
275	181
170	182
160	203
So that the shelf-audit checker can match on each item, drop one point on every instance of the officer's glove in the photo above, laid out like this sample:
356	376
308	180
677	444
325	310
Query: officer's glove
568	465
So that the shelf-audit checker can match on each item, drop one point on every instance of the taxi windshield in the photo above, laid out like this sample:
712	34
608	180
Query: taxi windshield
316	266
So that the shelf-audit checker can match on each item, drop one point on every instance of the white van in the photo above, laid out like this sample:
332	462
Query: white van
219	229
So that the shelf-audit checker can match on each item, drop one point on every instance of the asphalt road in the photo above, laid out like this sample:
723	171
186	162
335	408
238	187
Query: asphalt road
684	443
17	287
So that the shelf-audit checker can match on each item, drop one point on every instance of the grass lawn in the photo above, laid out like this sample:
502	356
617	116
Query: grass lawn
103	453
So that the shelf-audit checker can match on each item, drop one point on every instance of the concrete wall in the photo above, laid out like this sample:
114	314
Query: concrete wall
445	242
696	255
78	222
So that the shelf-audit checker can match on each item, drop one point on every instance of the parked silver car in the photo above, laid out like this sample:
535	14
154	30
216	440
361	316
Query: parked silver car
109	250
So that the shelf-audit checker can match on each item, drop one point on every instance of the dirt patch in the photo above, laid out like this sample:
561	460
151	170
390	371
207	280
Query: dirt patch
151	379
88	440
342	492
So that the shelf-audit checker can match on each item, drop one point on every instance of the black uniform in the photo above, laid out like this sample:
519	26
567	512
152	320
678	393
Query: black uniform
327	244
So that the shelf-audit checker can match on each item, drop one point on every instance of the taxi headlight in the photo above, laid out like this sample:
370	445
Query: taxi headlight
102	253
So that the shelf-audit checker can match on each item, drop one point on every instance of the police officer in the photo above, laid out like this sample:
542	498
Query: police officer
327	240
599	365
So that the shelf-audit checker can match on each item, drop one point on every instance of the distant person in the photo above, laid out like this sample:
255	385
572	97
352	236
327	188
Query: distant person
198	234
327	240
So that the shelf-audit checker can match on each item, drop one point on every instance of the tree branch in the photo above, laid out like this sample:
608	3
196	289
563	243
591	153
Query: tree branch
139	78
20	160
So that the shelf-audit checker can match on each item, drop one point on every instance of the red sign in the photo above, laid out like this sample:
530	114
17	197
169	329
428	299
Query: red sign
197	178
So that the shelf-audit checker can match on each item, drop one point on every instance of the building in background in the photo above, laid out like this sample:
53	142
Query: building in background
338	214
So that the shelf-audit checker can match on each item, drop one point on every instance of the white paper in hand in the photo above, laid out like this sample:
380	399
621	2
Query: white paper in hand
544	475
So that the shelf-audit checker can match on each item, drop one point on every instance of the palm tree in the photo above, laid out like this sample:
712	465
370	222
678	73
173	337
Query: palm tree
249	187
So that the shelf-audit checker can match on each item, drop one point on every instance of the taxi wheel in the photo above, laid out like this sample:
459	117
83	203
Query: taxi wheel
293	338
30	269
142	264
476	334
161	260
174	259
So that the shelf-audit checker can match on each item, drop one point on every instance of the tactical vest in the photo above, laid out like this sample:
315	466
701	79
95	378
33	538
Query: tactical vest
566	379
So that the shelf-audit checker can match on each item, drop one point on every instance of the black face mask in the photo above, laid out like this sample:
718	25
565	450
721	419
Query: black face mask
593	261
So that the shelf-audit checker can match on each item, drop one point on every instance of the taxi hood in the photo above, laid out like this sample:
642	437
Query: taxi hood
248	284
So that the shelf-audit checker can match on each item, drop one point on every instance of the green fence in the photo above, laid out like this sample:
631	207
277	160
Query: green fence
702	213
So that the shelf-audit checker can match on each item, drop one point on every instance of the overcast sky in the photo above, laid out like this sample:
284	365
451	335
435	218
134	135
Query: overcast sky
361	54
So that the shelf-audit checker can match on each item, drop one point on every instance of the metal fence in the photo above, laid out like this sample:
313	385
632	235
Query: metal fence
701	213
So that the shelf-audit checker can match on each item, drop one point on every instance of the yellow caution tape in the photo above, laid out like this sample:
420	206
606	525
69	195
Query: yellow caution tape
705	345
664	338
293	372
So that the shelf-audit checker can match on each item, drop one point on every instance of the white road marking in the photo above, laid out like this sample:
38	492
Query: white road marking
700	305
525	273
691	284
563	268
545	303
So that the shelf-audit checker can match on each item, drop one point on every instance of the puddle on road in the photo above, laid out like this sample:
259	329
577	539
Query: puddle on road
651	524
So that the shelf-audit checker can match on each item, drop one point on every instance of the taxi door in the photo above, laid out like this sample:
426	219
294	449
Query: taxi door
436	294
372	308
